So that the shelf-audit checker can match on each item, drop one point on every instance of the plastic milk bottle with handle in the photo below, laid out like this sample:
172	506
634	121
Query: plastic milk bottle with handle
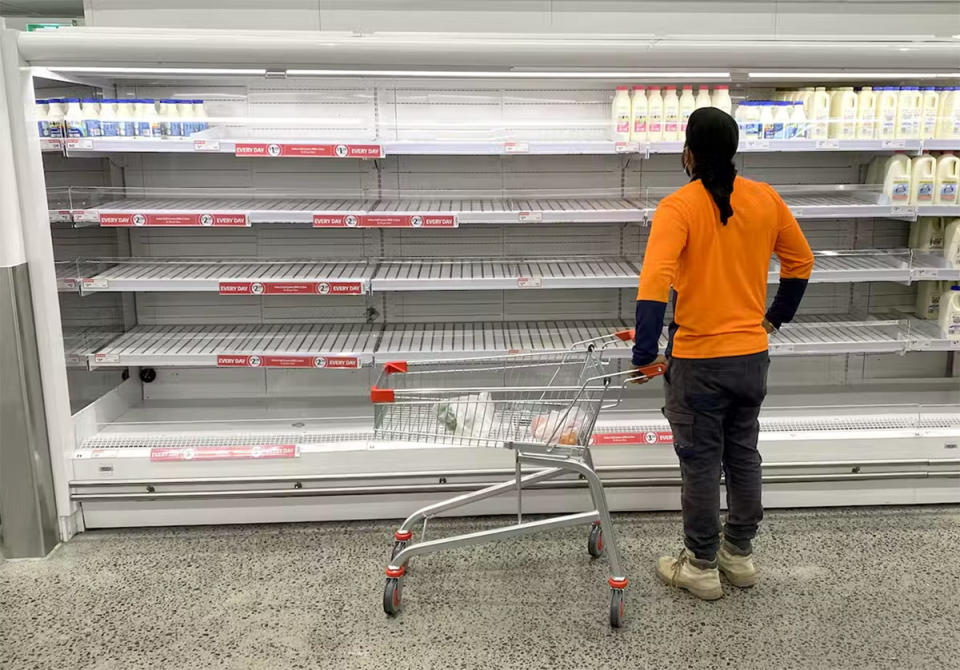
620	115
908	113
929	108
638	114
654	115
951	243
948	180
843	114
950	313
819	114
923	177
897	178
948	127
928	298
866	114
926	234
887	112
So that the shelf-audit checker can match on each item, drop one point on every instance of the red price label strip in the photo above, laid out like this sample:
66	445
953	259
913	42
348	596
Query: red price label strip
329	220
279	150
205	220
292	288
648	437
290	361
408	221
239	452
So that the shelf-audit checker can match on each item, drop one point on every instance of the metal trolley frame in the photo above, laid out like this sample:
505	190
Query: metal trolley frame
543	406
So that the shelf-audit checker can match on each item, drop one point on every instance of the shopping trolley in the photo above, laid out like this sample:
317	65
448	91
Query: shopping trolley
543	406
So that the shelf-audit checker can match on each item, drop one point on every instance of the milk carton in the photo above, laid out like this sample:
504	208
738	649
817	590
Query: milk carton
620	114
948	180
923	176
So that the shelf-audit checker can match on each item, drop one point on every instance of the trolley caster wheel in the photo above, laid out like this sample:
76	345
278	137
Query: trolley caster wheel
391	596
616	608
399	546
595	541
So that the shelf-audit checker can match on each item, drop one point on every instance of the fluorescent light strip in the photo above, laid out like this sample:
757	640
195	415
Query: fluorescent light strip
162	70
854	75
510	74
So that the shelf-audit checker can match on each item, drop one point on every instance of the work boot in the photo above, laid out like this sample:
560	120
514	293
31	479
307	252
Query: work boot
701	578
736	565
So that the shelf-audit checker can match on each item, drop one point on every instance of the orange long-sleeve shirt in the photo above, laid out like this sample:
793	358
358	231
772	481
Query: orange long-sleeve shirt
719	271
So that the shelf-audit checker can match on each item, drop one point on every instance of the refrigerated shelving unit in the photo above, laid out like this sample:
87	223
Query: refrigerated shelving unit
229	298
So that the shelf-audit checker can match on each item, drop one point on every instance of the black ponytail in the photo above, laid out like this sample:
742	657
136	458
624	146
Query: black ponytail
717	177
712	137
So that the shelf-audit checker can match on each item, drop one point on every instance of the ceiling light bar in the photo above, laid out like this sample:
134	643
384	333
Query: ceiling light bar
163	70
853	75
510	74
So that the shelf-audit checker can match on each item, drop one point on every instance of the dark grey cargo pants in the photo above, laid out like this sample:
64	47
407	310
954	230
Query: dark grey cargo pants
712	405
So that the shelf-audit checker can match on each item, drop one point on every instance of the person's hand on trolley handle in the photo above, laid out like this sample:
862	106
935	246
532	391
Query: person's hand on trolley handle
641	374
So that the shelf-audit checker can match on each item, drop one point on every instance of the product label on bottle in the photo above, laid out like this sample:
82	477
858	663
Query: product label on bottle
623	124
948	193
671	125
126	128
43	127
655	126
752	129
278	150
206	220
287	361
650	437
925	191
56	130
93	127
110	128
408	221
76	129
291	288
232	453
640	125
900	191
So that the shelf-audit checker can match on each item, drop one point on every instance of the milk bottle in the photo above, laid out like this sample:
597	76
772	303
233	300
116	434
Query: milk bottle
866	114
876	170
951	243
109	124
721	98
43	123
843	114
54	118
126	118
654	115
671	114
819	113
638	114
950	313
752	128
148	121
73	119
897	179
926	234
928	298
768	128
188	124
687	104
929	108
908	109
887	112
620	114
703	98
949	125
781	120
805	96
948	180
923	176
796	126
170	120
200	114
91	117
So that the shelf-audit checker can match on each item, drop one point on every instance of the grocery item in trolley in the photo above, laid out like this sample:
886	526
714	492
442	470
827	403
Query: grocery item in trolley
467	416
560	426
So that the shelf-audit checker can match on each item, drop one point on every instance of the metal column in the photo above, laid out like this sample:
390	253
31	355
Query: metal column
28	513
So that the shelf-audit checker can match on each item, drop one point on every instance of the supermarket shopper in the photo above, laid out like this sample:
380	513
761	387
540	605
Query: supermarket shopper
711	241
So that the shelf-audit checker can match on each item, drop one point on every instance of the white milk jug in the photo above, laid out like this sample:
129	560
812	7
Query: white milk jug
887	112
866	114
926	234
897	178
950	313
908	111
923	176
948	180
951	243
843	114
928	298
819	115
671	114
929	108
620	114
638	114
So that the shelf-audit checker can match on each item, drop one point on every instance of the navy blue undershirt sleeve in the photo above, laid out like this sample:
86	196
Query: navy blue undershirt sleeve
786	302
646	340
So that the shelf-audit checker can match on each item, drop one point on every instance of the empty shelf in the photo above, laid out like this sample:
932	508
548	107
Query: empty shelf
234	277
454	340
471	274
270	346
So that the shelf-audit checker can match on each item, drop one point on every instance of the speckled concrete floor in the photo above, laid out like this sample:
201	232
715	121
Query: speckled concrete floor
873	588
